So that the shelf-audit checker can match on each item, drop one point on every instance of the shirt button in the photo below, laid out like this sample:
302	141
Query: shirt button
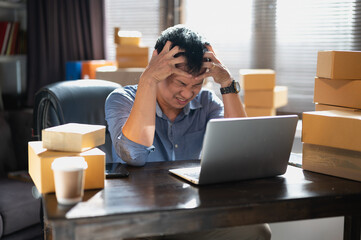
176	145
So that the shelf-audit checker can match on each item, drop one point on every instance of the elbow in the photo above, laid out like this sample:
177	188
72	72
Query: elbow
135	162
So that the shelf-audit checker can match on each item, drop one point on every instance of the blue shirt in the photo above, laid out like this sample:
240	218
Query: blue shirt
178	140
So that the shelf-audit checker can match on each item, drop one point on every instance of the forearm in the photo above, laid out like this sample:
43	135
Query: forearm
140	126
233	106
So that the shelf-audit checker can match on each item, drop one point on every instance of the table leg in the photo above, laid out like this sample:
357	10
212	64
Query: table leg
352	228
48	232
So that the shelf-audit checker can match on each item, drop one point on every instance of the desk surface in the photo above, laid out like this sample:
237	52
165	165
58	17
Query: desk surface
153	202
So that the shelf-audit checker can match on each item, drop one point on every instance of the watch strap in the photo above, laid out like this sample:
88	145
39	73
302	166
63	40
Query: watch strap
229	89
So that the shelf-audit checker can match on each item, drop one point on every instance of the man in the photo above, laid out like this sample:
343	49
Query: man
164	117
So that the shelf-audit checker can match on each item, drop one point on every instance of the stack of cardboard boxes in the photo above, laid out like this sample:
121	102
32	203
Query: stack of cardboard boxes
261	95
129	52
331	134
64	141
75	70
88	68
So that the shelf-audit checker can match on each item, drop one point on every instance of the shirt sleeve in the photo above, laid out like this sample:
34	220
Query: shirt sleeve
117	109
215	107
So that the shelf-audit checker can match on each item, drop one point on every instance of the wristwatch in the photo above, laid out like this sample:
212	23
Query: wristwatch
233	88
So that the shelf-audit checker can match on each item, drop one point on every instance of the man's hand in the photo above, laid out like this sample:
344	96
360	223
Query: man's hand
215	69
162	65
233	106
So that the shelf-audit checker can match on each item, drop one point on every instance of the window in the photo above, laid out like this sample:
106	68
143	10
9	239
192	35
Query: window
302	29
150	17
142	16
226	26
280	34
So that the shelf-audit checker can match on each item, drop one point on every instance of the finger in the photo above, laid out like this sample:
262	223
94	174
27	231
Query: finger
209	65
177	60
209	47
202	76
167	46
155	53
181	72
210	57
176	50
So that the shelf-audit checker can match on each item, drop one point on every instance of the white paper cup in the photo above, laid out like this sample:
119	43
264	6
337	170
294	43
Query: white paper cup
69	178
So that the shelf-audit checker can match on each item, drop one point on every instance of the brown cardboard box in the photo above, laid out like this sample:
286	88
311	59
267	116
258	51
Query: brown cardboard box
89	68
123	76
257	79
333	161
338	129
40	160
131	56
258	112
132	51
73	137
129	41
266	98
344	93
132	61
131	38
339	64
325	107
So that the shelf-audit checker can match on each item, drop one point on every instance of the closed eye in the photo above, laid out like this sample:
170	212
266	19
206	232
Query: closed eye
180	83
198	84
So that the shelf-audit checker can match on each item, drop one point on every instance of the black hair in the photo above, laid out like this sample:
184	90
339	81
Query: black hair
191	42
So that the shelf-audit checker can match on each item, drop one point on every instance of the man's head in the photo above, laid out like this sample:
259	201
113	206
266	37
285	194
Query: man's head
175	92
188	40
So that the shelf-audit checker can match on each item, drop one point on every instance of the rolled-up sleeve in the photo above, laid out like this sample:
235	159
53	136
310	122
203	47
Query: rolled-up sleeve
117	109
131	152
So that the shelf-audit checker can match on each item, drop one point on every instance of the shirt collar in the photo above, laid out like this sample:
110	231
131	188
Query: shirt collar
158	110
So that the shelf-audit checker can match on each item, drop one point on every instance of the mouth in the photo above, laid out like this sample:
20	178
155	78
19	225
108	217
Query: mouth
181	101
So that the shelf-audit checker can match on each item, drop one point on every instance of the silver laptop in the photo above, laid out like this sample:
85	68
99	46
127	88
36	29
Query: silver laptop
243	148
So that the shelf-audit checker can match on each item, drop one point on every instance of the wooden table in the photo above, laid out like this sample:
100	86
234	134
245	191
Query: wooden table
153	202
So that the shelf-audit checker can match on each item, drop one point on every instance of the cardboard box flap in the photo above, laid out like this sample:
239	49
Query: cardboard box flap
75	128
337	114
257	72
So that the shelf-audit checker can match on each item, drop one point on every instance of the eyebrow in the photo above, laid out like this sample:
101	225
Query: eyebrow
200	83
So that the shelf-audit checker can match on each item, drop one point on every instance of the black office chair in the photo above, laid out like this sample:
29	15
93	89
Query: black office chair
79	101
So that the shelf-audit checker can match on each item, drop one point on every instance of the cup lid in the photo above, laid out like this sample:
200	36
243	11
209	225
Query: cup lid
69	163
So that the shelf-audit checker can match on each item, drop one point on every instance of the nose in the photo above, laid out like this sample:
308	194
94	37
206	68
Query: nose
187	93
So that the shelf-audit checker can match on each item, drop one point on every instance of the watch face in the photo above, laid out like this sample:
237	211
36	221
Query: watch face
237	86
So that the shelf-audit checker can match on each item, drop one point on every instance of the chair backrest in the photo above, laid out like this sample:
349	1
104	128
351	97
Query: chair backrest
78	101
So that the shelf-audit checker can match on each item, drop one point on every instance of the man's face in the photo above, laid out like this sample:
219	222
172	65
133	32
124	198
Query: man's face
177	91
